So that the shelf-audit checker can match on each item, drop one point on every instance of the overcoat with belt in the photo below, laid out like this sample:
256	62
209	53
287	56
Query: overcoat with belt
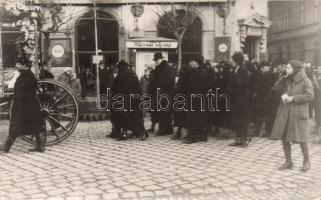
291	122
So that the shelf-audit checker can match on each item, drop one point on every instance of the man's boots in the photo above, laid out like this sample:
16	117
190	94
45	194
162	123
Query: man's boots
178	134
287	153
40	142
203	135
191	136
306	161
7	145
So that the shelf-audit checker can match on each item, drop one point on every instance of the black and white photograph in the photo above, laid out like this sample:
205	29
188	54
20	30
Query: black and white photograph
160	99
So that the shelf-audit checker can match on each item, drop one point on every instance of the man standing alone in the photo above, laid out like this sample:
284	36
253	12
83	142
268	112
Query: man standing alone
240	95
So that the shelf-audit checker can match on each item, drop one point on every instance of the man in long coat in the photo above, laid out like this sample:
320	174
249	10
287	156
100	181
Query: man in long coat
180	89
162	80
197	85
127	116
239	87
261	106
26	116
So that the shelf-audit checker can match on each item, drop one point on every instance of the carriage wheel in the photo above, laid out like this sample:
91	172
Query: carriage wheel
59	109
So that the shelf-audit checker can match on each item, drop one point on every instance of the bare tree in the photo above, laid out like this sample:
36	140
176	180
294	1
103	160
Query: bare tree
177	20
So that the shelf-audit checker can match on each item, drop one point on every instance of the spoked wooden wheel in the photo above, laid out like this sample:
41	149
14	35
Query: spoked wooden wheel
59	109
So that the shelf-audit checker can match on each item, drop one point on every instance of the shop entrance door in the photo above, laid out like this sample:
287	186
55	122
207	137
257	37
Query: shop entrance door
252	48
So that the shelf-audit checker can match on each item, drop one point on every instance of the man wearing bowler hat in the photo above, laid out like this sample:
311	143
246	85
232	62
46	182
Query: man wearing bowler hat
162	82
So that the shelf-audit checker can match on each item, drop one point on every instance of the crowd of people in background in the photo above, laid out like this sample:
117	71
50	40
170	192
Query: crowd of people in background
279	97
249	85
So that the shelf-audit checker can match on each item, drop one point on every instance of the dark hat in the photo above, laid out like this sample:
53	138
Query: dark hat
238	57
21	60
265	63
158	55
198	58
280	61
122	64
296	64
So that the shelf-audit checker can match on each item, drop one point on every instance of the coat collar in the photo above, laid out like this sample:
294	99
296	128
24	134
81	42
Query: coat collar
300	76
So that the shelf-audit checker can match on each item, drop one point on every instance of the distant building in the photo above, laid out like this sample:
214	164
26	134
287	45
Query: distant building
295	32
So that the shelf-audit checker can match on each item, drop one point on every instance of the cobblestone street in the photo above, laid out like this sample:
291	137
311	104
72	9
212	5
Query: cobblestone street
89	166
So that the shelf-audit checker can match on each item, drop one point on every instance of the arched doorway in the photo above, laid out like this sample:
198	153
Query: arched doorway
192	40
108	47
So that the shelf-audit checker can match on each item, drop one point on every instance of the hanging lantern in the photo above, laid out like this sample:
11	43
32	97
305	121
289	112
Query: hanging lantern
137	10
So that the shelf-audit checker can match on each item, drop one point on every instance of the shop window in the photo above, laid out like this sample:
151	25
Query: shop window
302	14
280	52
9	38
107	36
302	51
288	51
107	29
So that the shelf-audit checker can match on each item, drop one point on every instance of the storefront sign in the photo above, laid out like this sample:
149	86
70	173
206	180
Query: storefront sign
57	51
222	48
151	45
97	59
60	51
254	31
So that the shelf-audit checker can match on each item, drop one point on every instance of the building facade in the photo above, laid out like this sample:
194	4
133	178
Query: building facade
127	29
295	32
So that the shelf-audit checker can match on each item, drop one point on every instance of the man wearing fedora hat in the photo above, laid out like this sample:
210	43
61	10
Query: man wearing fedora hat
162	82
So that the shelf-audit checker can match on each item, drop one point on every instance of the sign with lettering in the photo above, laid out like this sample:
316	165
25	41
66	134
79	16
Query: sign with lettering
151	45
254	31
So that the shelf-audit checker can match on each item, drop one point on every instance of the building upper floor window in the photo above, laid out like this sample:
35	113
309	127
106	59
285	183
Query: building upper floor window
302	14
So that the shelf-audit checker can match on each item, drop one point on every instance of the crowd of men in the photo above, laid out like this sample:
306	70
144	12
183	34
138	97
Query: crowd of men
247	84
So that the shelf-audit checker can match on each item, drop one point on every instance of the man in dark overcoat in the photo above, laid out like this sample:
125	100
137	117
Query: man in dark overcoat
261	108
180	89
111	77
222	114
197	86
127	115
26	116
212	72
239	90
162	80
